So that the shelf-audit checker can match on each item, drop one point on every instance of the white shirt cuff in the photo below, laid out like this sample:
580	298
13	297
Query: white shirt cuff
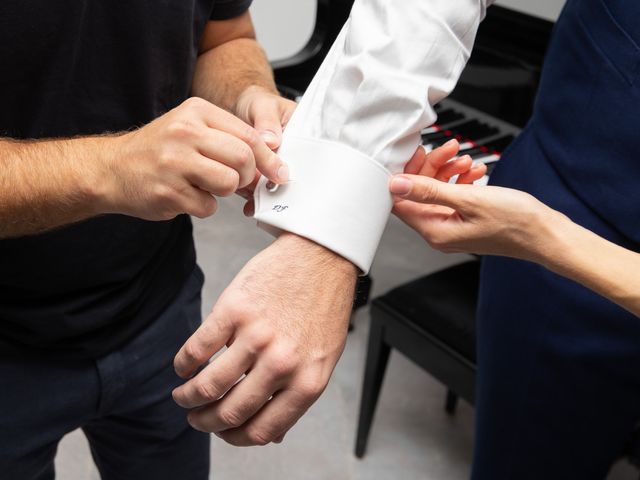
336	196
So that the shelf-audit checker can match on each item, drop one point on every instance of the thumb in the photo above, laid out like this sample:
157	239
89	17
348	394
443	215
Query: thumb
418	188
267	121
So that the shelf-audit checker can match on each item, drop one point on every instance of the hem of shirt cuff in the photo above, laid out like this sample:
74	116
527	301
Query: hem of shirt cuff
337	197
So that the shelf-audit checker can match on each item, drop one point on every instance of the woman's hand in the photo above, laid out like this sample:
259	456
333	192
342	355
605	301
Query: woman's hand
474	219
442	164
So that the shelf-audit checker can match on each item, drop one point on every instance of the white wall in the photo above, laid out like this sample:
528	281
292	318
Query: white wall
549	9
284	26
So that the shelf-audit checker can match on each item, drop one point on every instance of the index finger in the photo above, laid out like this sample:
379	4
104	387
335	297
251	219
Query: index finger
428	190
267	162
212	335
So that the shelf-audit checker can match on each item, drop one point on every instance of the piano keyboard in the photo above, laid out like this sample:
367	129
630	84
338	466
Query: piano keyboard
481	136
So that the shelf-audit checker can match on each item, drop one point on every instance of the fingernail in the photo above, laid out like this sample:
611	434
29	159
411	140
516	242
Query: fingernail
400	185
269	137
283	173
450	142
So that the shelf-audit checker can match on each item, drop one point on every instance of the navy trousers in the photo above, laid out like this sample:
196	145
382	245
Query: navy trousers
121	401
558	385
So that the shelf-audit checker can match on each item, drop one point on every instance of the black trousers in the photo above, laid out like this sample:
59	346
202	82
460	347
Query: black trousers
122	402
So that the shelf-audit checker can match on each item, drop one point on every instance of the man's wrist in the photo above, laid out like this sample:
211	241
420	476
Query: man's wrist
100	180
315	255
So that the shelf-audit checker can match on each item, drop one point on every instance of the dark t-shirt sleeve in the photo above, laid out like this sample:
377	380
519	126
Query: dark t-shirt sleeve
226	9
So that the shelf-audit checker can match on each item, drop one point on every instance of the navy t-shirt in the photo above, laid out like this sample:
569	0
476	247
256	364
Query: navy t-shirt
83	67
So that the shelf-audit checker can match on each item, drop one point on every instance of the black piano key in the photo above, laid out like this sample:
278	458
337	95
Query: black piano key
475	130
474	152
439	141
449	116
436	136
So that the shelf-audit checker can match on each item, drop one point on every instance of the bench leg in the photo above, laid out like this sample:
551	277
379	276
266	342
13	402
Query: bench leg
451	403
376	365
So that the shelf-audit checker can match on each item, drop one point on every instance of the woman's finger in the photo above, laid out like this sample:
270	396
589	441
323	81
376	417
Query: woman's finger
456	167
439	157
417	161
428	190
476	172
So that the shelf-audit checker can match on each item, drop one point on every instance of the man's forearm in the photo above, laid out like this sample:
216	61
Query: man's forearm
47	184
226	71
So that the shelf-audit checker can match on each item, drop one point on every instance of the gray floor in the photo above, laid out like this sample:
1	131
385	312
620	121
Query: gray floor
412	438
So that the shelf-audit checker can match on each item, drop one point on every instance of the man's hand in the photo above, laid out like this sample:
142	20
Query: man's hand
177	163
266	111
269	114
284	319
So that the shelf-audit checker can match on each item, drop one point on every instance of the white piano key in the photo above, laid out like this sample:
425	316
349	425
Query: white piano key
431	129
492	158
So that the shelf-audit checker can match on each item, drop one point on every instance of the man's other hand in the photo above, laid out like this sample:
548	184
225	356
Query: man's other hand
179	162
284	319
269	114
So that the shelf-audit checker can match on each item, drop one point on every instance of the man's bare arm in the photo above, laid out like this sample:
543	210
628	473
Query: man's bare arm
231	62
46	184
175	164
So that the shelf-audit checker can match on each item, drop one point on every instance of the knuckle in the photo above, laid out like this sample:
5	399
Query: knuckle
428	192
244	156
259	437
193	353
205	209
166	157
258	339
282	363
228	182
437	242
311	390
250	136
194	102
164	196
210	207
182	129
230	418
207	391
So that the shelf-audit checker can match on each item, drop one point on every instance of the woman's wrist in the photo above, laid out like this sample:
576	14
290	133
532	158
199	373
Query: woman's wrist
549	237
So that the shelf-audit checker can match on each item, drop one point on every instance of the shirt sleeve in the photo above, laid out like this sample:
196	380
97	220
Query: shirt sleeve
360	120
226	9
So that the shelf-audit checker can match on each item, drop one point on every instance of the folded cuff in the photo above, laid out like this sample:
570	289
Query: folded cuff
336	196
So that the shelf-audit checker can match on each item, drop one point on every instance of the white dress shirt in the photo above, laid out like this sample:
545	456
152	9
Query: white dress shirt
360	120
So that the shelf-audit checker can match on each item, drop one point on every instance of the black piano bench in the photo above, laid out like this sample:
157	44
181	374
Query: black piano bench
431	321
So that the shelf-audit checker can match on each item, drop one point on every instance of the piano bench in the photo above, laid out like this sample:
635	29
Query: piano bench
431	321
